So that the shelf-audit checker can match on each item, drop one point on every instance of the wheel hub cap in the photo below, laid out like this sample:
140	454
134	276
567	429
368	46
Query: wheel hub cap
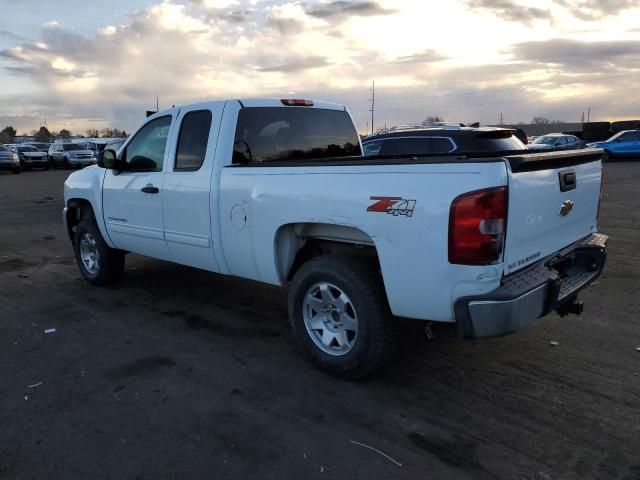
330	319
89	254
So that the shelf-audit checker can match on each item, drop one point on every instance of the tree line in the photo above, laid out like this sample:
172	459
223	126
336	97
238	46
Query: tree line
43	134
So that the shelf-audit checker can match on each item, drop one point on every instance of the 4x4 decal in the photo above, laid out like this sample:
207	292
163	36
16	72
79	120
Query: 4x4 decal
392	205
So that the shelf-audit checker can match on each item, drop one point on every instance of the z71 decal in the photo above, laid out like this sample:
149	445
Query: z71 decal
392	205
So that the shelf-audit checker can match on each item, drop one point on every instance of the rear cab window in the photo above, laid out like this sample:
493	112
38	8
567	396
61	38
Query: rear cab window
192	141
267	134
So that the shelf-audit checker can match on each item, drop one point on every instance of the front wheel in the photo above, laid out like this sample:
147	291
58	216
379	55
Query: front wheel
17	170
98	263
606	156
340	317
66	164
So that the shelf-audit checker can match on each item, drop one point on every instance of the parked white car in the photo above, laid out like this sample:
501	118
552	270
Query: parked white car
276	191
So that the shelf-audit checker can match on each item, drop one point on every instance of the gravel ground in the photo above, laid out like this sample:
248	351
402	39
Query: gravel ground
179	373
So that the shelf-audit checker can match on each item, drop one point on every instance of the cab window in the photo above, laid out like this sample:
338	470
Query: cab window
192	142
146	150
266	134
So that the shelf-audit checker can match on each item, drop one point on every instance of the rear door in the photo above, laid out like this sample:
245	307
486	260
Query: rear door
132	199
187	186
553	202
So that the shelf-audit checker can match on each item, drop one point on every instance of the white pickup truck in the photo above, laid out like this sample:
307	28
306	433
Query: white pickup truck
276	191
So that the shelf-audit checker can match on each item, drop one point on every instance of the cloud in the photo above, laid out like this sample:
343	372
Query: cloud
342	9
578	55
511	11
185	52
426	56
591	10
12	36
296	64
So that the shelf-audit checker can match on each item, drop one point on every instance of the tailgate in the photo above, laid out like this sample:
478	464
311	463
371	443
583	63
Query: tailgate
553	202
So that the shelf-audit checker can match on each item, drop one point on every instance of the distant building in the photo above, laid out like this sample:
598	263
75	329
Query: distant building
23	139
537	129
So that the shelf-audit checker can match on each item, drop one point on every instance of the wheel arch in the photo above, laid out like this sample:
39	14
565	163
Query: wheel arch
77	210
296	243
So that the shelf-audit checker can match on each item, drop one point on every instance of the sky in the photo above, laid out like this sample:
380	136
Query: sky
93	64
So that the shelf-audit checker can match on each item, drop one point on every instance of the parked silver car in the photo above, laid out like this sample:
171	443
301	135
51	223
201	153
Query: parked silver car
70	155
9	160
31	157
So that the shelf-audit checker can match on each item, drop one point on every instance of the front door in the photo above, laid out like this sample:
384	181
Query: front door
132	198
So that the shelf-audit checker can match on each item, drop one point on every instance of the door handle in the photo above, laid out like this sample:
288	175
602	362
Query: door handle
150	189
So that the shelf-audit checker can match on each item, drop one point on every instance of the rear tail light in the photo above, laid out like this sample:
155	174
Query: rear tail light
477	225
297	102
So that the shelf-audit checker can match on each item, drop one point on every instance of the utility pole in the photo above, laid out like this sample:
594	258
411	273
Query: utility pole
373	101
157	104
588	114
582	121
501	119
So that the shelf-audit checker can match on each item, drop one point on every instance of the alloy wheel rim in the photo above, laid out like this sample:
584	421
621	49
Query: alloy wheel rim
89	253
330	319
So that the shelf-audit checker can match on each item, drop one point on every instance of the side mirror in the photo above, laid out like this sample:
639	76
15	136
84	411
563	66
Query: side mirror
107	159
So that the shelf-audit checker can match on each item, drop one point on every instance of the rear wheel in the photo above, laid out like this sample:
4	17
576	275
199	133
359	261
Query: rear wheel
340	317
98	263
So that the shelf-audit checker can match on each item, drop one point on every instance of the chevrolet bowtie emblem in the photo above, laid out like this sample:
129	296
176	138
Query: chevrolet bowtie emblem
566	207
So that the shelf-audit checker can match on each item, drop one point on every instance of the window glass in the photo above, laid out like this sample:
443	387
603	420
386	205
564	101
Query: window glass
266	134
625	137
192	142
545	140
145	152
372	148
441	145
406	146
67	147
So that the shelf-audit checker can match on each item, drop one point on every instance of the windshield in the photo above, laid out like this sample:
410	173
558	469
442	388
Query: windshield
72	146
545	140
27	149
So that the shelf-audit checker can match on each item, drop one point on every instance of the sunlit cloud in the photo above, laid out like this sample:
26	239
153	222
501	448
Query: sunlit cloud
504	58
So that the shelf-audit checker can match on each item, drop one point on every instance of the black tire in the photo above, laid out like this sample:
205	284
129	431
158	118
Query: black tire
66	164
361	282
606	156
111	262
47	166
17	170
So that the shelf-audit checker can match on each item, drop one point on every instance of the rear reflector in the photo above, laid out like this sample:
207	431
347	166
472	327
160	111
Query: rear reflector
297	102
477	223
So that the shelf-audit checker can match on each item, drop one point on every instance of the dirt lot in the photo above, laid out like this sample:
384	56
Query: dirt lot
178	373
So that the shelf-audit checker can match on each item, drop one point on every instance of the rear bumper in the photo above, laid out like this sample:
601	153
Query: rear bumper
534	292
